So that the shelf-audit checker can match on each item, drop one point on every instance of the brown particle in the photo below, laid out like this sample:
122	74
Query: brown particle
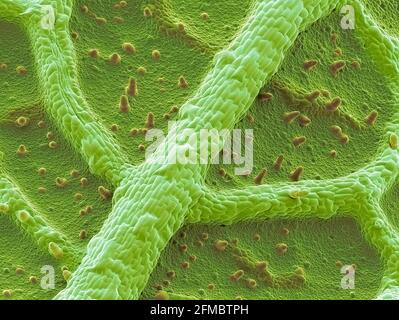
156	55
183	248
278	163
182	82
237	275
82	234
124	104
334	104
304	121
310	64
221	245
128	48
94	53
115	59
281	248
296	174
251	283
298	141
372	118
261	175
101	21
289	117
21	70
336	67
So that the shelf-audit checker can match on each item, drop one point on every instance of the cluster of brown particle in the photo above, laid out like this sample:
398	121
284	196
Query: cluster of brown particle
333	153
285	231
41	171
105	194
141	147
257	237
3	66
338	133
85	211
61	182
185	265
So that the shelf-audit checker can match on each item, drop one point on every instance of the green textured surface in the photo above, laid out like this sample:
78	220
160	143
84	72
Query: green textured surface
151	204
